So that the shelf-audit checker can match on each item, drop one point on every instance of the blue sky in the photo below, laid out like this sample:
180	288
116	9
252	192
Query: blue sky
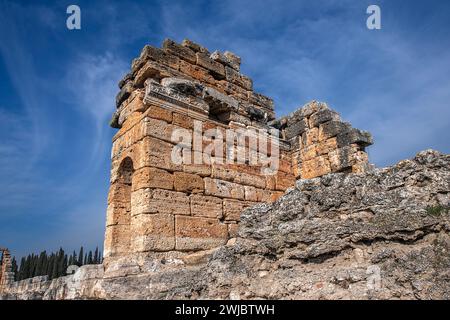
57	88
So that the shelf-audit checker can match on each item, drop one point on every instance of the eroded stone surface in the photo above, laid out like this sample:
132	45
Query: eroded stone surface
378	235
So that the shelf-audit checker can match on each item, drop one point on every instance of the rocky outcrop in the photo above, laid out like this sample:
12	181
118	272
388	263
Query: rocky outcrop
383	234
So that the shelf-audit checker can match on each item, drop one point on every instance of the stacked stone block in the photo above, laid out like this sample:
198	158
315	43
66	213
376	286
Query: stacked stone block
322	143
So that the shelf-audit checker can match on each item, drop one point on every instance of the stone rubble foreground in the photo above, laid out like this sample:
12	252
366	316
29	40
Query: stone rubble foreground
327	225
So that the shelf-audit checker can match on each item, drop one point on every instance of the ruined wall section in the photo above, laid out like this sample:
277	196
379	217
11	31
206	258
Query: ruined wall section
184	207
321	142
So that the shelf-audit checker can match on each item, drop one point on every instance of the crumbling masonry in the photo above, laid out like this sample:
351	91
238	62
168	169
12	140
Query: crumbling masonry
156	205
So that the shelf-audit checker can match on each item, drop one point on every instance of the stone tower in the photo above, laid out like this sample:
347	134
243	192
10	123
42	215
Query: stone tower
182	92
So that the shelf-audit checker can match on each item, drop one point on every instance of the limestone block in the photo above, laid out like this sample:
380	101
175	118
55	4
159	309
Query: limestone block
250	193
238	79
153	70
156	153
149	177
285	163
196	72
332	128
354	136
157	55
188	182
182	52
217	69
309	152
118	213
310	136
202	170
193	46
276	195
238	174
296	128
200	257
206	206
223	189
117	240
284	181
124	93
198	233
316	167
227	58
344	158
308	109
233	116
296	164
140	201
159	113
260	100
232	208
153	232
158	129
119	192
160	201
327	146
232	230
232	60
322	116
183	121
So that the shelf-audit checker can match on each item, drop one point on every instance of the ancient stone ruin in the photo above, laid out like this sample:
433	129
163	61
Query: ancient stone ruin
155	205
287	208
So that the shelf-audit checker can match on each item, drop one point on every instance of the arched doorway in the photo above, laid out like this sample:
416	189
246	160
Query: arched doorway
121	209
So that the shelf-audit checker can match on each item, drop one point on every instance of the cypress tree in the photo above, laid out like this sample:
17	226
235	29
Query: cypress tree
96	257
89	259
54	274
27	273
80	257
64	265
45	265
40	264
85	259
60	264
14	268
51	263
74	260
21	268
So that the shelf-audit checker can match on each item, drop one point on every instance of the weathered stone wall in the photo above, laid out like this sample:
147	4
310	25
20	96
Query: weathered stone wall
6	274
322	143
383	234
156	205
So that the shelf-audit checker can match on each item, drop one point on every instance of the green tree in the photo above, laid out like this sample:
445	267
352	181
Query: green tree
80	257
14	268
96	257
21	269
